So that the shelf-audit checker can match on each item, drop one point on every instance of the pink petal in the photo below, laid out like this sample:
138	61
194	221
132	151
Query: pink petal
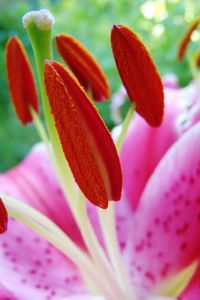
33	269
170	81
33	181
144	146
192	111
164	236
162	298
5	294
85	297
124	218
27	261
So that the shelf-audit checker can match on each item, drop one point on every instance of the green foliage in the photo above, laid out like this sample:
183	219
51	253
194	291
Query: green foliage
160	24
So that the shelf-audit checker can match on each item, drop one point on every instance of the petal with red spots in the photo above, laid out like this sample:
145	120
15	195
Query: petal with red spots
34	182
148	147
33	269
165	231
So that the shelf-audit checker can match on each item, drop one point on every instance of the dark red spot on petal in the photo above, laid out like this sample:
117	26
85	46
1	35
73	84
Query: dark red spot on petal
183	246
150	276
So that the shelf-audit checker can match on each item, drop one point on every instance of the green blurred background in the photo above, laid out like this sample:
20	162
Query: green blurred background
159	23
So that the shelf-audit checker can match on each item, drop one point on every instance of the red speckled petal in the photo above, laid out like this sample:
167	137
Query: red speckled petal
31	268
165	232
20	80
86	142
84	66
139	74
3	217
186	39
34	182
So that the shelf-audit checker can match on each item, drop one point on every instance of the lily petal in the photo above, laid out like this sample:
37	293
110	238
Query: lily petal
34	182
5	294
139	74
20	79
3	217
144	146
164	234
84	66
33	269
86	142
85	297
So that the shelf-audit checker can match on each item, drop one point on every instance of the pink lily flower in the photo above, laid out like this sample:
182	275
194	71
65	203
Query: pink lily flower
160	211
74	251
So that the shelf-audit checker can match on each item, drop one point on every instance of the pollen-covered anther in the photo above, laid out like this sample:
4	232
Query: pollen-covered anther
20	80
43	19
138	74
186	39
3	217
84	66
86	142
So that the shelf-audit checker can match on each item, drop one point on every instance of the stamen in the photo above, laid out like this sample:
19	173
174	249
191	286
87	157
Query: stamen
23	92
108	224
139	74
124	128
94	163
186	39
84	66
96	251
